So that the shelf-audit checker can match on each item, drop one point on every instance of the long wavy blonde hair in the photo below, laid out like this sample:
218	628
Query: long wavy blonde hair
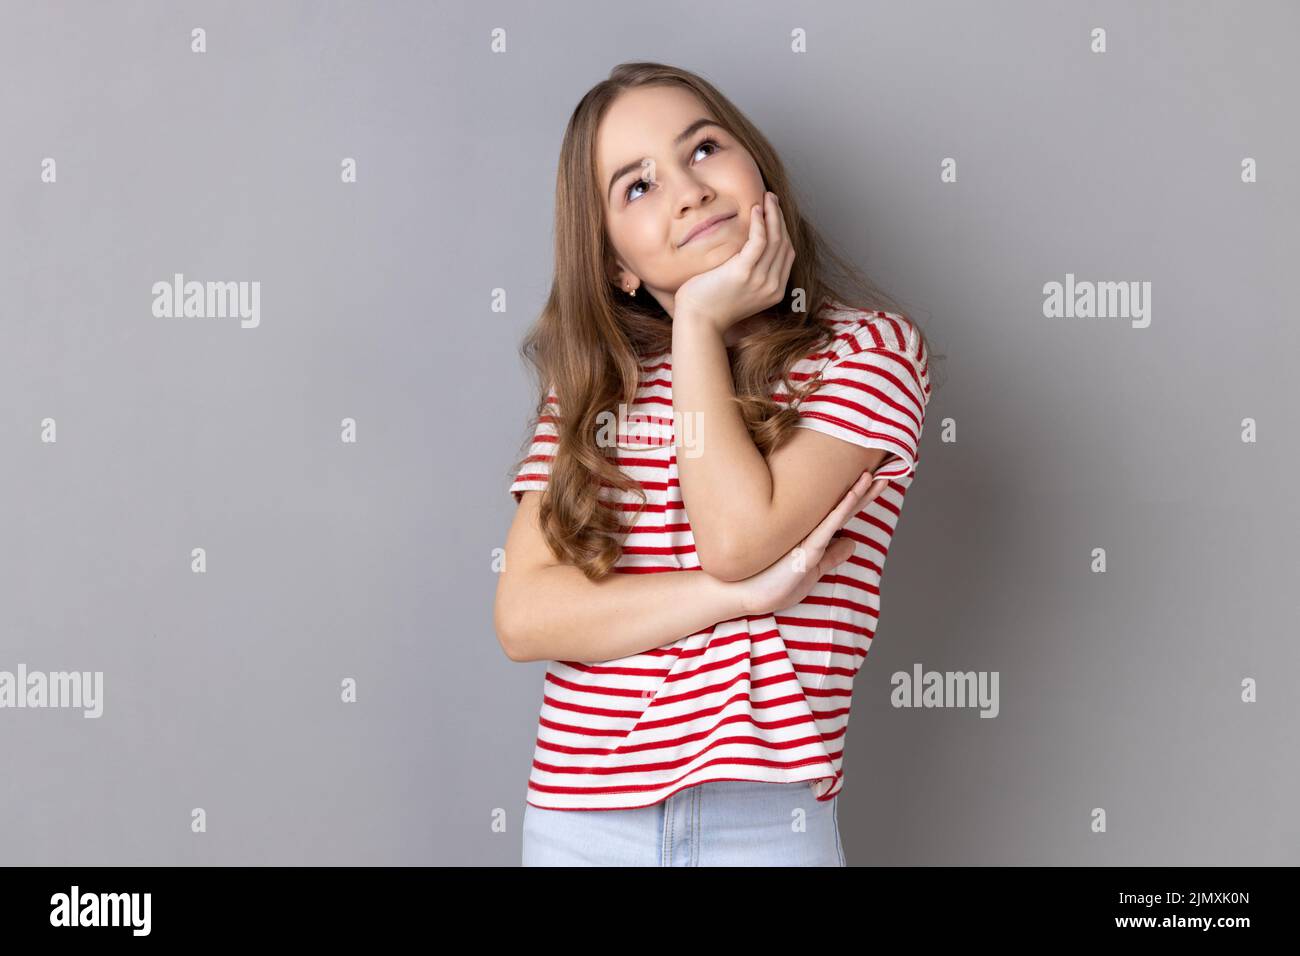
589	340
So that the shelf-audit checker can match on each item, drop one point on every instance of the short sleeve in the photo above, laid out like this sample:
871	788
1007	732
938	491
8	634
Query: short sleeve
535	471
873	397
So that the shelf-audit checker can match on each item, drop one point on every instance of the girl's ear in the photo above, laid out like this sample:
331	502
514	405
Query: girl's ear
622	280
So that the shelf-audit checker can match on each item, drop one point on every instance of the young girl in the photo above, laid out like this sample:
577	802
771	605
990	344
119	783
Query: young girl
712	405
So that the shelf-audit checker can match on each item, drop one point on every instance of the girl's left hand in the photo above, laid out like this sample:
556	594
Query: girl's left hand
752	280
792	578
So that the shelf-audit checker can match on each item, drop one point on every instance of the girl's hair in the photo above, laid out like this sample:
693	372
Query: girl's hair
587	344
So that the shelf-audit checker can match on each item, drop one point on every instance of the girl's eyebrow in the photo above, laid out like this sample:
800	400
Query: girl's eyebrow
683	135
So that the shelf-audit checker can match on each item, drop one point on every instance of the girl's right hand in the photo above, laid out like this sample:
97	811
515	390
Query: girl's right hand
789	580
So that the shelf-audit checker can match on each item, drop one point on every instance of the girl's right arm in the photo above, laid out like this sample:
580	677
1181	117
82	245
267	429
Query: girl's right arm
545	610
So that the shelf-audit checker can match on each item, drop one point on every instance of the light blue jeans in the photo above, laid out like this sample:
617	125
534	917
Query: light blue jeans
721	823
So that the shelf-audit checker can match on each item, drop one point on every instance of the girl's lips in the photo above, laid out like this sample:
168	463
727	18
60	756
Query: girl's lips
708	229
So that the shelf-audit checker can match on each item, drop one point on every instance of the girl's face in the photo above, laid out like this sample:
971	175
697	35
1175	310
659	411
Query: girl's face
695	171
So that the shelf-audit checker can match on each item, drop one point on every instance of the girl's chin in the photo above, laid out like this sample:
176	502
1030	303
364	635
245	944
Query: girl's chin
718	250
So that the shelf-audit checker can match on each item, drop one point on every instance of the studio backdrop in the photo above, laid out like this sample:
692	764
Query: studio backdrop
262	525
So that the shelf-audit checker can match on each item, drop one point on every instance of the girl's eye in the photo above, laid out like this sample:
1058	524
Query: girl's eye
708	142
641	182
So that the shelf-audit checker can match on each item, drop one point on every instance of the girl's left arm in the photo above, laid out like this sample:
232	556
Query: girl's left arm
746	511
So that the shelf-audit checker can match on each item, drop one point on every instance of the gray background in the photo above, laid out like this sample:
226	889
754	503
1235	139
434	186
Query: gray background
1118	690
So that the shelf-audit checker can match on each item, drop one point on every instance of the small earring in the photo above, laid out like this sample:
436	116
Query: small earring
632	293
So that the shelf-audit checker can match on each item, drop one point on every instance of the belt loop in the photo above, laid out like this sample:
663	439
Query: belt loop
695	823
666	851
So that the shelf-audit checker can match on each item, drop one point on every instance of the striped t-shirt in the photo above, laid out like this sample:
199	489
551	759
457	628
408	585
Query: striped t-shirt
762	697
